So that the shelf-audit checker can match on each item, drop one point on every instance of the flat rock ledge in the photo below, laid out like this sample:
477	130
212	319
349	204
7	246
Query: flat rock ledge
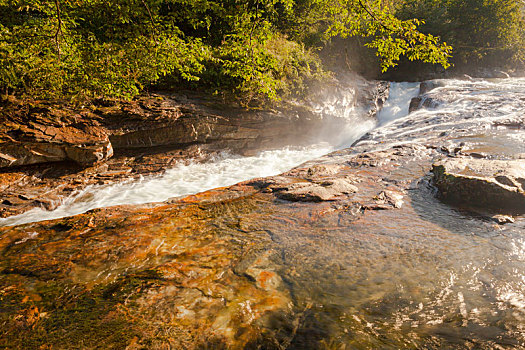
492	184
50	149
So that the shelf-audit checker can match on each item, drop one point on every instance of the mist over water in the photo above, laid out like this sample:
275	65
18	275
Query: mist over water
226	169
422	276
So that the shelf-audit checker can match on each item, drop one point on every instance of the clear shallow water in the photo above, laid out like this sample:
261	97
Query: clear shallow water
224	170
426	276
423	277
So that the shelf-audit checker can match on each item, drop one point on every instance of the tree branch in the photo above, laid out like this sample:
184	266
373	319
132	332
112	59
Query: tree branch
392	30
373	16
58	32
153	32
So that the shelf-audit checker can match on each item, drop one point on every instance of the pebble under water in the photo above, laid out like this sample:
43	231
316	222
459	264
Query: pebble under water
427	276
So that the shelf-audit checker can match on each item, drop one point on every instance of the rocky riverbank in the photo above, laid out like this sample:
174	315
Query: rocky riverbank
50	150
352	249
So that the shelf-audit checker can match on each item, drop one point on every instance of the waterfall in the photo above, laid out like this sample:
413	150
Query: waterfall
226	169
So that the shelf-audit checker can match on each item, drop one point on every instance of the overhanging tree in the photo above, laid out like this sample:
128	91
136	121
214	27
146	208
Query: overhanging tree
260	49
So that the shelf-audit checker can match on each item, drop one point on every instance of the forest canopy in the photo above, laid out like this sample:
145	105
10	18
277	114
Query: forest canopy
486	33
255	49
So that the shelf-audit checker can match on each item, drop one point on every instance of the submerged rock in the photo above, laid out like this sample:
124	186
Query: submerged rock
142	278
316	191
493	184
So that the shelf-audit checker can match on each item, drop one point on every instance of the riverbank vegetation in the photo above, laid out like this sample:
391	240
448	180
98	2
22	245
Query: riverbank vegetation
256	50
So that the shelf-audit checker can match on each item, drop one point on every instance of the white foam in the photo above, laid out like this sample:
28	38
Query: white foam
181	180
225	170
398	102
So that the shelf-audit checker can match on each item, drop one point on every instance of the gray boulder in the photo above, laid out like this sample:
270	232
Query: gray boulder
489	184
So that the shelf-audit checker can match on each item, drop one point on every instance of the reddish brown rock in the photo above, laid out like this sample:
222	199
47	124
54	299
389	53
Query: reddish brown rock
202	271
170	276
69	147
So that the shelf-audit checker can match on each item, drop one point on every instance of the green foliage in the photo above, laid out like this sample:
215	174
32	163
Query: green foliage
390	36
90	48
482	32
255	49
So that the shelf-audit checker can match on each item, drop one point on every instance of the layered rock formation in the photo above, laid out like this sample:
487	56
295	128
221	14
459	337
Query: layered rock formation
349	250
70	148
36	134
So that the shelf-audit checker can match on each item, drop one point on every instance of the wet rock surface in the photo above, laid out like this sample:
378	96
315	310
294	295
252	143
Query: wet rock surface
114	280
50	150
491	184
351	250
201	271
430	97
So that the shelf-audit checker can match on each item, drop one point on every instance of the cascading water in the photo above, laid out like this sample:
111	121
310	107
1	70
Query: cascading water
398	102
422	275
458	103
224	170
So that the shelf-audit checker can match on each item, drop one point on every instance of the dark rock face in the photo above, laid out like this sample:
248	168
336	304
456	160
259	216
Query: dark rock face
414	104
423	102
492	184
426	98
429	85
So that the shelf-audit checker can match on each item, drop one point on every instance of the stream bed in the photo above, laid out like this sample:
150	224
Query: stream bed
222	170
351	250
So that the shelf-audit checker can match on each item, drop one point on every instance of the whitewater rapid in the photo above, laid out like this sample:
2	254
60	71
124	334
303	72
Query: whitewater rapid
188	178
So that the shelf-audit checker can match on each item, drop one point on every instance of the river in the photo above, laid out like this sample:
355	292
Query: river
223	170
421	275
